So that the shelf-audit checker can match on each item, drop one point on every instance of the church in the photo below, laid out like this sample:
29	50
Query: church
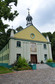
28	43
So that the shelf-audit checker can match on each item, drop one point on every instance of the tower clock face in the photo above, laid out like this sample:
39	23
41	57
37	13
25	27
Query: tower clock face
32	35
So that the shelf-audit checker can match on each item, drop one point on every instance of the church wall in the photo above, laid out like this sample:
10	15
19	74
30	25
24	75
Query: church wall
25	51
12	49
39	53
49	51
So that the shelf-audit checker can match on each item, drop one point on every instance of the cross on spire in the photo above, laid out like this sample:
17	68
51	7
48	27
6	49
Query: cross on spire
28	11
29	18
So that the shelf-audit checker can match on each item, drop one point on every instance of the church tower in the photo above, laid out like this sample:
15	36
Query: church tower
29	19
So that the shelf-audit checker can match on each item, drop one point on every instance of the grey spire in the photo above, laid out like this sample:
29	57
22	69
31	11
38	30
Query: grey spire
12	32
29	19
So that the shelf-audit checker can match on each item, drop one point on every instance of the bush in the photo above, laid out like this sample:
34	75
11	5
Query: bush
21	62
24	68
21	65
49	60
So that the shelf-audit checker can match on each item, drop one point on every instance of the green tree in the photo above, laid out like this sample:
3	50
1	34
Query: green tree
4	37
6	13
19	28
53	48
52	40
53	34
53	45
3	40
49	34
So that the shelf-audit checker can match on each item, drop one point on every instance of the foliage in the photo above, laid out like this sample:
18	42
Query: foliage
4	37
52	40
4	70
22	68
49	60
53	48
21	64
3	40
19	28
48	34
6	13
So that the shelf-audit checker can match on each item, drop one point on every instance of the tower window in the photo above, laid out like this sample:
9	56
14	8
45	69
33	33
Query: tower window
18	44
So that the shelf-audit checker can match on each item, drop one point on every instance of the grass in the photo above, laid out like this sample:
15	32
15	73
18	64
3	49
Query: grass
5	70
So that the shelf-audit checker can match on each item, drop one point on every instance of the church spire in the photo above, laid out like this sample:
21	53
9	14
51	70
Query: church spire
12	32
29	19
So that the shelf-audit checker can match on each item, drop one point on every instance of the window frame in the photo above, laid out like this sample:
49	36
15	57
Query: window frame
18	55
45	57
45	46
18	43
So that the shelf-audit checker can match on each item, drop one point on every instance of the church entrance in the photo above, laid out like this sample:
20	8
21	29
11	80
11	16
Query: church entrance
33	58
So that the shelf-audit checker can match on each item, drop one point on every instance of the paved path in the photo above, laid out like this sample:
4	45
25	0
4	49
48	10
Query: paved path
42	66
39	76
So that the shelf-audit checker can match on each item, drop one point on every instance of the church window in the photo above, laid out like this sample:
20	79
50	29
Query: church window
32	35
45	46
18	55
45	57
18	44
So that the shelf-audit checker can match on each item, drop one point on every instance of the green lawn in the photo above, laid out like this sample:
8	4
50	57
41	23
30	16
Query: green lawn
4	70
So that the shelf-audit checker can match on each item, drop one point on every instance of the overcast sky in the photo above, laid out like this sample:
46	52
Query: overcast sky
42	11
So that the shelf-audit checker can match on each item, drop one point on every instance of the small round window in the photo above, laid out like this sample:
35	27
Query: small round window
32	35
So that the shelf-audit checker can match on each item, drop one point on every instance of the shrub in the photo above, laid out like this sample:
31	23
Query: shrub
21	62
24	68
21	65
49	60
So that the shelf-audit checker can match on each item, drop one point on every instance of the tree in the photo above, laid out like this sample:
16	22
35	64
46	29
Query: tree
53	34
4	37
3	40
19	28
5	12
53	48
49	34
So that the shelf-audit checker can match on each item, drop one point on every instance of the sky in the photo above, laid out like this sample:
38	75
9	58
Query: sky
42	12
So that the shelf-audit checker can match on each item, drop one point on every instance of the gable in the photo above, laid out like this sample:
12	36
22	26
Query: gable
30	33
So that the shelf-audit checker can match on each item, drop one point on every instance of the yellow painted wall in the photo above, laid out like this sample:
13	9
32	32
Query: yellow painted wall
6	61
25	34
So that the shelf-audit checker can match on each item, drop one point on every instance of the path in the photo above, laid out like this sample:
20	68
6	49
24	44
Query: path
39	76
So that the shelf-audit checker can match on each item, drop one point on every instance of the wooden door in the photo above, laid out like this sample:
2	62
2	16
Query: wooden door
33	58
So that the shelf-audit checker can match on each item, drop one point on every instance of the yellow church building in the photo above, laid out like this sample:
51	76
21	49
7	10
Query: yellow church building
28	43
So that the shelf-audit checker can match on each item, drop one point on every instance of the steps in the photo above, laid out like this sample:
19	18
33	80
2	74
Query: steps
42	66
